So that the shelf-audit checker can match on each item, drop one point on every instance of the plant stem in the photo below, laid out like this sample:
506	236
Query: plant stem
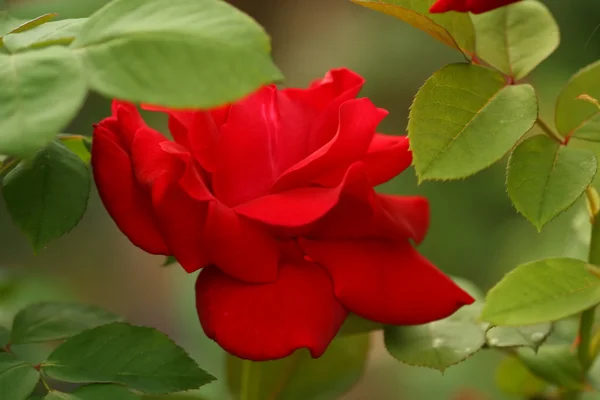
549	131
246	381
587	318
586	322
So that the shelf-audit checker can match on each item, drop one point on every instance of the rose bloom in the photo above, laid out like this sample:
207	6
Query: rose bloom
273	198
474	6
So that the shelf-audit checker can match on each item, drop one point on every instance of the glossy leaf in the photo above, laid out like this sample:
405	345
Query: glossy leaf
47	195
173	397
545	178
43	322
517	38
513	378
299	376
542	291
94	392
452	29
80	146
576	117
59	32
439	344
215	53
4	336
464	119
139	358
10	24
169	260
355	324
40	92
520	336
556	364
17	378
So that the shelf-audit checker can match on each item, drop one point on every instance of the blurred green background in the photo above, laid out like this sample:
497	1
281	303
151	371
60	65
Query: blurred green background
475	231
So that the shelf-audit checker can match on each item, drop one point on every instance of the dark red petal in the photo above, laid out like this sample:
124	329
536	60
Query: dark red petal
356	121
474	6
196	130
129	120
387	157
338	84
269	321
182	221
150	161
180	217
387	282
298	207
403	217
127	202
245	161
240	247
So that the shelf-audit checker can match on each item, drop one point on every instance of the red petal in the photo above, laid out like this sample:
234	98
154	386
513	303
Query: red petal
127	202
196	130
129	120
241	248
338	84
182	221
474	6
272	320
387	157
404	216
181	218
387	282
245	162
298	207
315	115
356	121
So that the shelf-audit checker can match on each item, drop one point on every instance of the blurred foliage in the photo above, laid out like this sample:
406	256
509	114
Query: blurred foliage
475	232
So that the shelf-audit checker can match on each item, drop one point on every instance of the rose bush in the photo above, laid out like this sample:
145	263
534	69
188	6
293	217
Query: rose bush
474	6
273	197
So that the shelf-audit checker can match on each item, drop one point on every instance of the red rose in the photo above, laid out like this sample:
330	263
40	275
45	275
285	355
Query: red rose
474	6
274	196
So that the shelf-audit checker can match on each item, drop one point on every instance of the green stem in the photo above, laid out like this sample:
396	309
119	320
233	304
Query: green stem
587	318
549	131
586	323
246	383
584	349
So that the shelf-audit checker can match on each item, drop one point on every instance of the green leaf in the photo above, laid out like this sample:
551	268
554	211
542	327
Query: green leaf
439	344
78	145
17	379
514	379
137	357
169	260
542	291
59	32
43	322
355	324
452	29
464	119
40	92
47	196
299	376
216	54
545	178
94	392
10	24
576	117
521	336
4	336
555	364
173	397
517	38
